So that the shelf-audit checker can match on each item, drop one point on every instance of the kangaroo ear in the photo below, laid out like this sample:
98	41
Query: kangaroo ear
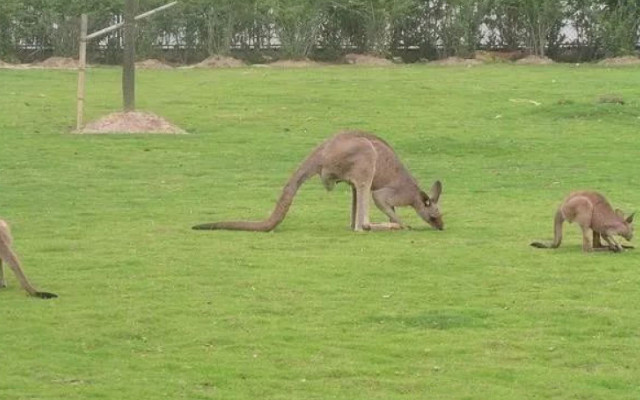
436	190
630	217
425	198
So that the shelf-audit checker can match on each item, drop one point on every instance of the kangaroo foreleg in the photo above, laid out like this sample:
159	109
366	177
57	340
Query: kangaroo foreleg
613	244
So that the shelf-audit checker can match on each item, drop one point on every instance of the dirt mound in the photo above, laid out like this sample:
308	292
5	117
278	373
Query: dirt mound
457	61
498	56
57	62
534	60
13	66
366	59
620	61
220	62
152	63
303	63
131	122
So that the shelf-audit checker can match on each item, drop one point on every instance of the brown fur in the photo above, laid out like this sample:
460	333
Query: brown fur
7	255
371	167
592	212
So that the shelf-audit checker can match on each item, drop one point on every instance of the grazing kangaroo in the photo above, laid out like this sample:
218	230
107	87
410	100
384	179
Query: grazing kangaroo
7	255
371	167
591	211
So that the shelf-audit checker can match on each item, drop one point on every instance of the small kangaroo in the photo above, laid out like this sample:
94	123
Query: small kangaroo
591	211
371	167
7	255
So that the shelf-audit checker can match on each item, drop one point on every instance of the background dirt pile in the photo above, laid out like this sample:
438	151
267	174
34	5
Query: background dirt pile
131	122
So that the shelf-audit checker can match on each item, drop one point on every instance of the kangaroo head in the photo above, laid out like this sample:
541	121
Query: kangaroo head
427	206
626	230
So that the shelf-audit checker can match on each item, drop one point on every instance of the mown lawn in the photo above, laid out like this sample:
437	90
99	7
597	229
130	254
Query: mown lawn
150	309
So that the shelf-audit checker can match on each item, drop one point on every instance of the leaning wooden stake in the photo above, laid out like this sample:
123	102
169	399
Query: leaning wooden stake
82	64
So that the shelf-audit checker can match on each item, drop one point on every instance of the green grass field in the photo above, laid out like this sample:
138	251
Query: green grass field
150	309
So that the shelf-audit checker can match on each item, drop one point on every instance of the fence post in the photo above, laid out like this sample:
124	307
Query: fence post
82	64
129	58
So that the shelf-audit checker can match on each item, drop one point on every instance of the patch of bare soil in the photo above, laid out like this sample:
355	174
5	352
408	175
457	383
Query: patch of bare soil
366	59
152	63
303	63
498	56
57	62
457	61
534	60
220	62
620	61
610	99
13	66
131	122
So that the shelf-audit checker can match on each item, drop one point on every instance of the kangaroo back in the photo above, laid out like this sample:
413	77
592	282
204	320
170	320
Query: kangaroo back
310	167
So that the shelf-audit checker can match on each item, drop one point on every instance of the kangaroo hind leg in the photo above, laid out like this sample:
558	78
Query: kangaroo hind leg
586	239
352	160
354	207
361	177
580	210
363	191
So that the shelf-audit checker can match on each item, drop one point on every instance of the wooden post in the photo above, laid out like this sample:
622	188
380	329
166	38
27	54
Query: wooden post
129	58
128	70
82	64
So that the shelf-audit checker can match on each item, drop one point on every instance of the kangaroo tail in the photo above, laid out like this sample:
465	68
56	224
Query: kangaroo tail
557	233
310	167
7	254
539	245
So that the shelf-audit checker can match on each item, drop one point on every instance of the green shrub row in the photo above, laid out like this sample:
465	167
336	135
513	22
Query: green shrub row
327	28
